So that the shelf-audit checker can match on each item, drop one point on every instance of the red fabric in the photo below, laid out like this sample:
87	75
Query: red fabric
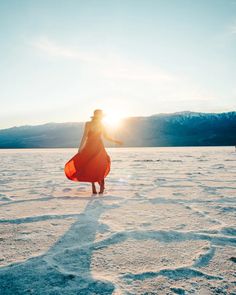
92	163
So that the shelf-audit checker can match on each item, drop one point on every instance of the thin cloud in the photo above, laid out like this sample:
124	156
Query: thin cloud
118	68
109	65
233	29
51	48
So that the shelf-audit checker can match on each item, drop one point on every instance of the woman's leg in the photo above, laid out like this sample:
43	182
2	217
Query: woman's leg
94	188
102	186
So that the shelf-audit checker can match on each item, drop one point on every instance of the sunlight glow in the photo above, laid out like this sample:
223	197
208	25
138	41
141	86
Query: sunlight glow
113	118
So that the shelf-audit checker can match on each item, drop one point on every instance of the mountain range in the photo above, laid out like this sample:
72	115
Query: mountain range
176	129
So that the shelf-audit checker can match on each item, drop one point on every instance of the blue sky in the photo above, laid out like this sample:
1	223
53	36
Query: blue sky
59	60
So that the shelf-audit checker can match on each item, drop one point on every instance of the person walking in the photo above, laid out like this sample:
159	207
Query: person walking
91	163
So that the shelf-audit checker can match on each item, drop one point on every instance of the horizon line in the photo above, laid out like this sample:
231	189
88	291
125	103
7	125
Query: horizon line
147	116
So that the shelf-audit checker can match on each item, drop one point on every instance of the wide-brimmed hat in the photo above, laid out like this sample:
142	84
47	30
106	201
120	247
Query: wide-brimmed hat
98	114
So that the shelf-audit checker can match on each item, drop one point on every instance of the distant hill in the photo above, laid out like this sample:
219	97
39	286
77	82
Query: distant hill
177	129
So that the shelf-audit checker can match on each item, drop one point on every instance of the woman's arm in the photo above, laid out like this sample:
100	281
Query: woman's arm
83	139
106	136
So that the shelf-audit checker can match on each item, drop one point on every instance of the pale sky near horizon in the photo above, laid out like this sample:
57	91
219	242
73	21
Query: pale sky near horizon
61	59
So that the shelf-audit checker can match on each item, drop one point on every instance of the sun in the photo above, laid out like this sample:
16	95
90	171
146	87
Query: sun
113	119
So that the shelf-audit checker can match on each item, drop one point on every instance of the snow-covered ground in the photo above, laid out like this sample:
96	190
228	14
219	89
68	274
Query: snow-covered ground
166	224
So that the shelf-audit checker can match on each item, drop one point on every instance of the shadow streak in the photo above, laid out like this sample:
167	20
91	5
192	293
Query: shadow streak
66	267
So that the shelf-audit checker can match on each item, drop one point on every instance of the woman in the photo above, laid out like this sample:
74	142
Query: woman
91	163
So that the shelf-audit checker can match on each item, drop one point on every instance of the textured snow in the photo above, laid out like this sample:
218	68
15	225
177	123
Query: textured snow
166	224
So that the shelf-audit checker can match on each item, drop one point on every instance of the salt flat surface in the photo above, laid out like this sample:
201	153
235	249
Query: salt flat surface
166	224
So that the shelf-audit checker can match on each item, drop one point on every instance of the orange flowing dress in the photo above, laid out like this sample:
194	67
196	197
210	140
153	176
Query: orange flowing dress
92	163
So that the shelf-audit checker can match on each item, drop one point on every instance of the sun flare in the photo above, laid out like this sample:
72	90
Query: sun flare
113	119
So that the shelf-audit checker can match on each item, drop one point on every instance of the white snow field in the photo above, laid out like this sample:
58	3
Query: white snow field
166	224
